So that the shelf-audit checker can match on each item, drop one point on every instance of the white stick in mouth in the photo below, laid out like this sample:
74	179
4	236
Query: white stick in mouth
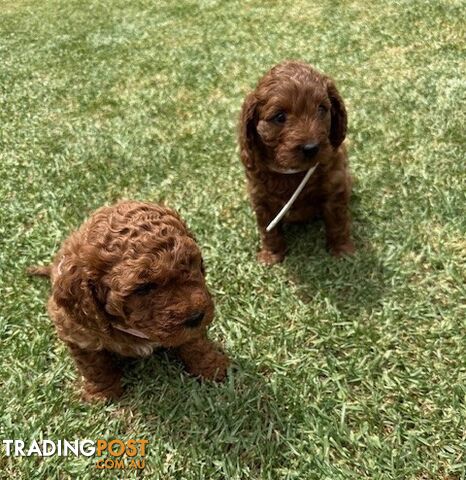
290	202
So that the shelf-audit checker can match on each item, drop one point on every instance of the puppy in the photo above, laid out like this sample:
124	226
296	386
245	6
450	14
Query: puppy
294	120
131	279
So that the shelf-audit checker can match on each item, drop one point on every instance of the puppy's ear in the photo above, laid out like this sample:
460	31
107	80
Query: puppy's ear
247	130
338	115
79	292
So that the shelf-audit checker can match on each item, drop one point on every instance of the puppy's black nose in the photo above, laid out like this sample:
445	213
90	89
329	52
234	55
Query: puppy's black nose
194	320
310	150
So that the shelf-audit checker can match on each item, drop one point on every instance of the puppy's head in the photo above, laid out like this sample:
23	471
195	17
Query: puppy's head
294	119
140	272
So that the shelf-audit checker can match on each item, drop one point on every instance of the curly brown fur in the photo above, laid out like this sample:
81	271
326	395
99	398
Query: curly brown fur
134	266
294	119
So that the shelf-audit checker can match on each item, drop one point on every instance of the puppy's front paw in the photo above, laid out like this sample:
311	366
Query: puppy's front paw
212	367
342	249
92	392
266	257
216	368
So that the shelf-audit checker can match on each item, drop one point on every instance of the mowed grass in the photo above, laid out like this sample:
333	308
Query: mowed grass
343	369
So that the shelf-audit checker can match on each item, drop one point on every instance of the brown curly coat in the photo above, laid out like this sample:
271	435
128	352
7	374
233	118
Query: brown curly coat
129	280
294	119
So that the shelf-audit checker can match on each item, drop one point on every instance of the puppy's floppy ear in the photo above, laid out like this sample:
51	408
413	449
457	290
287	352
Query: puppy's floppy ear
247	130
338	115
80	293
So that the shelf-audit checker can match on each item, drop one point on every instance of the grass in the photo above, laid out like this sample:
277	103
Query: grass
351	369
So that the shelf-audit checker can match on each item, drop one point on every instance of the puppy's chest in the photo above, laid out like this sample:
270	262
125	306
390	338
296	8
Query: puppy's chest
277	193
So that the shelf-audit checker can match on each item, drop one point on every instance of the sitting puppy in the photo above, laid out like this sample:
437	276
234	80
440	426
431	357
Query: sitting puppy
131	279
293	121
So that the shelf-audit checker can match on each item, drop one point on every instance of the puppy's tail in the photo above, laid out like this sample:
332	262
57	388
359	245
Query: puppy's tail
40	271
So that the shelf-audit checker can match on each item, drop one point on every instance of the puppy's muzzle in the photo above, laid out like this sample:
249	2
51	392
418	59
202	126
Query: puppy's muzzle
310	150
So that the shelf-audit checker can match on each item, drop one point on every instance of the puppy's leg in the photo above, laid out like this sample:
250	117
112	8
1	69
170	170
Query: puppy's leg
273	246
202	359
102	377
338	224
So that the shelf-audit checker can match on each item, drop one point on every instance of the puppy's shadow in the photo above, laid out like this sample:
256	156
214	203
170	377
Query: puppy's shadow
230	419
351	283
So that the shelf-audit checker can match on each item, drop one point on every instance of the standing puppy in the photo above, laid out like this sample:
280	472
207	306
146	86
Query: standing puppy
294	120
130	280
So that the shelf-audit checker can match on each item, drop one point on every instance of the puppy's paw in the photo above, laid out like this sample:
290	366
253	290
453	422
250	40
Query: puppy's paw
92	392
266	257
342	249
216	368
213	366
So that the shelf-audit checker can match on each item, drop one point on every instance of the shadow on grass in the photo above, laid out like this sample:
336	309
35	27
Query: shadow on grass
239	419
350	283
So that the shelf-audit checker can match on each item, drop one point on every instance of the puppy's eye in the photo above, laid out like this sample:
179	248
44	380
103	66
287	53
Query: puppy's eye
144	289
279	118
194	320
322	109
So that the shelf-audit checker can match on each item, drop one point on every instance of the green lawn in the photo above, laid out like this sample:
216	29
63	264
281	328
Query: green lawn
343	369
